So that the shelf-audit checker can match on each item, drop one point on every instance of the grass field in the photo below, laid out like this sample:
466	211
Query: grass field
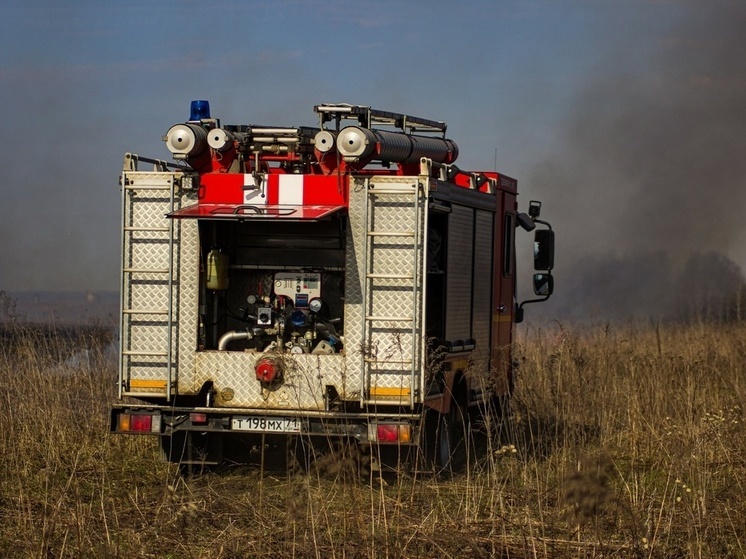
624	441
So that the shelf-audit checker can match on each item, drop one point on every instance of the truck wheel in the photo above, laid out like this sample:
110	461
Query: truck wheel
340	459
194	452
501	419
451	441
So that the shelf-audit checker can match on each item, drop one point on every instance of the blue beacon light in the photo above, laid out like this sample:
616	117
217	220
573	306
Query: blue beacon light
199	110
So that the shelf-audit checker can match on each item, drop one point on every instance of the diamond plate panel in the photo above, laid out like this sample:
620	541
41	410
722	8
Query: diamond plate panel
150	243
186	297
147	207
305	379
150	254
150	291
355	266
148	336
393	340
390	380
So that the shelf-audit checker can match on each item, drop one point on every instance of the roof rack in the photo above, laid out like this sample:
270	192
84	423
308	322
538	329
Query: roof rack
368	117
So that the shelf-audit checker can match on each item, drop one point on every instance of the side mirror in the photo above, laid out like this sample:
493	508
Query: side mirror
543	249
525	222
543	284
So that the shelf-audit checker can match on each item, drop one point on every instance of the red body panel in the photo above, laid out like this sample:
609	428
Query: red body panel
235	189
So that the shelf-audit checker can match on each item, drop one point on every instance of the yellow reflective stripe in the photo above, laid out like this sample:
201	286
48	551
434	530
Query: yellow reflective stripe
385	392
502	318
145	383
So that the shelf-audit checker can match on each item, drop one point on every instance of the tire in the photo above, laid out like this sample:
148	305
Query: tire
451	441
338	459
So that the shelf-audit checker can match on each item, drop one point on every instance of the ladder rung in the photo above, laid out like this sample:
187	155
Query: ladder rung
393	192
389	319
388	361
147	229
146	270
390	276
391	233
147	187
146	353
145	311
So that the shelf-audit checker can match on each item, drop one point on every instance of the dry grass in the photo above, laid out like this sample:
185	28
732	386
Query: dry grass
625	442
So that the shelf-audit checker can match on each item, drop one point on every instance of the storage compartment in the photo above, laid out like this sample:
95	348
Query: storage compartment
283	288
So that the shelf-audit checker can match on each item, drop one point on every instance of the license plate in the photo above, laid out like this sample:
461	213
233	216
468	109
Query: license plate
262	424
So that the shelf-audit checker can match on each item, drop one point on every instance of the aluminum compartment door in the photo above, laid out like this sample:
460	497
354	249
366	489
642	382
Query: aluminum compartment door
482	290
459	270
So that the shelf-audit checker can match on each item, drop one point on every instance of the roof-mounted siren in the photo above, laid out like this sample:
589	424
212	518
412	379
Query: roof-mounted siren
363	144
199	111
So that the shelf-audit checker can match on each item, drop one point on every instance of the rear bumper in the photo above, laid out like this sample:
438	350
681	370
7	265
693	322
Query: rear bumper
166	421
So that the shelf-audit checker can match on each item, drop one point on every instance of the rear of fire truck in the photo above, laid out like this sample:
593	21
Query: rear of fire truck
310	287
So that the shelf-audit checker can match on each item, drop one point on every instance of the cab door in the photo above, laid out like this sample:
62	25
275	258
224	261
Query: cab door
503	306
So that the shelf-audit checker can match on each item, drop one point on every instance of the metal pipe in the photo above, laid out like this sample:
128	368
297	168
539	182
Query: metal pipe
233	336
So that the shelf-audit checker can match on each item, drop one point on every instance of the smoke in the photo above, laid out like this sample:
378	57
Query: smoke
649	171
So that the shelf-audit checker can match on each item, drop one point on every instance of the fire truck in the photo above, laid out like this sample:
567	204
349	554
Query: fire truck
342	285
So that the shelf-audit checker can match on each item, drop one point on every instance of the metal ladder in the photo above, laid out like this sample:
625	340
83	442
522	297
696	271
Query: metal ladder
147	289
391	314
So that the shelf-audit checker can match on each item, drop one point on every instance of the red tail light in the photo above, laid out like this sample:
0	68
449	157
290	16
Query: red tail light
138	423
387	433
268	370
198	418
141	422
390	433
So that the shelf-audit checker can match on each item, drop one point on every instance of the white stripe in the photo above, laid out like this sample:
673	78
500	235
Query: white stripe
291	190
252	195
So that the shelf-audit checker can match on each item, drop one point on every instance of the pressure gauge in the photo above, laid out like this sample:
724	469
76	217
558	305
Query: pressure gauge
315	304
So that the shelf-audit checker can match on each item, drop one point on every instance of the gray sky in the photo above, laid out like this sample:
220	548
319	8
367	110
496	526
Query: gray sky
626	118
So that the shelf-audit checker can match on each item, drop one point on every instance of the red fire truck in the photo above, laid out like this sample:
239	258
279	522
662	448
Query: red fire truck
342	284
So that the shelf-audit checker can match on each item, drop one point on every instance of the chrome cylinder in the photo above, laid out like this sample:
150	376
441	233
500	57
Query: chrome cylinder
356	144
186	140
220	140
324	141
